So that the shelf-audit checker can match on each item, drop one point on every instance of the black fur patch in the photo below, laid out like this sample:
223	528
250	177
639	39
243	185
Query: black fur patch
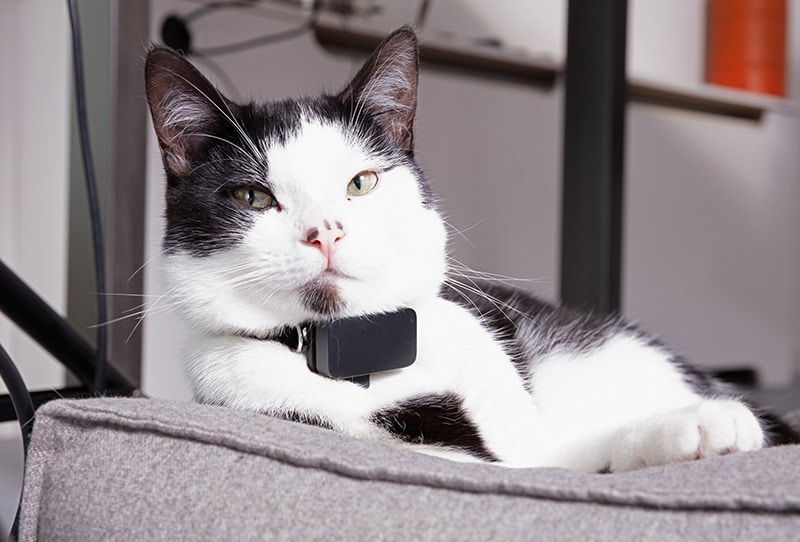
437	420
202	217
777	431
531	328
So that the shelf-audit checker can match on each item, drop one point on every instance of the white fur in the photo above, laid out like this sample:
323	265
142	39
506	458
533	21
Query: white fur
623	404
704	429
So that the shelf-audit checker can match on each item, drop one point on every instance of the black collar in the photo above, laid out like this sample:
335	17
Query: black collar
294	337
348	348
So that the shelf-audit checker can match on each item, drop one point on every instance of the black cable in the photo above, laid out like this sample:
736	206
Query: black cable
264	40
175	28
91	189
176	34
20	398
214	6
34	317
23	407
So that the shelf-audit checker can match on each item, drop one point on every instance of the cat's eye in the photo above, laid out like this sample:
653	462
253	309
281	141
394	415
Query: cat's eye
254	197
362	184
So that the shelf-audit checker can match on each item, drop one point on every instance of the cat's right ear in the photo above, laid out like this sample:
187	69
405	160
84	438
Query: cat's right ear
185	108
386	86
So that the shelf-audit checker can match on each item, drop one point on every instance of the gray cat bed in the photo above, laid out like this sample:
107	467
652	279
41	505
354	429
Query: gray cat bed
141	469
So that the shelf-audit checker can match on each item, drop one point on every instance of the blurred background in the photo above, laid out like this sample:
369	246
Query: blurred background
710	245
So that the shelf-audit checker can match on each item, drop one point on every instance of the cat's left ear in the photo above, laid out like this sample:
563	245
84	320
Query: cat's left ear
386	86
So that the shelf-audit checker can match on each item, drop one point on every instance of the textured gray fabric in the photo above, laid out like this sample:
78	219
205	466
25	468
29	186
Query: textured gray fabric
139	469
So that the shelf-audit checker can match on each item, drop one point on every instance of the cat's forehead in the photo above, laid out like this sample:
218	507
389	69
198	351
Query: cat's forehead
320	151
313	134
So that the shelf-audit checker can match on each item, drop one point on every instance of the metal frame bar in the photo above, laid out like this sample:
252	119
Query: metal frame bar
36	318
594	124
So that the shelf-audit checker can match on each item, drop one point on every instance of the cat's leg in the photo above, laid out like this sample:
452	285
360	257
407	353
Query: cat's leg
462	397
626	404
266	377
710	428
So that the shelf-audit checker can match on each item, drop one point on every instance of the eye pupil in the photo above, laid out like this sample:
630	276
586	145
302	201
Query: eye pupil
251	196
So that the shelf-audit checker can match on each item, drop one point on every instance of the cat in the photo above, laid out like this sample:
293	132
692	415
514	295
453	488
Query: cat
313	209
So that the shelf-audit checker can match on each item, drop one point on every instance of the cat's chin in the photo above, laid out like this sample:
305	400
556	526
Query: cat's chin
322	296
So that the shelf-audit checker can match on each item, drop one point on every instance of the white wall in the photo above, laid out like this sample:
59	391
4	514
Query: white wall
666	40
536	27
34	94
711	251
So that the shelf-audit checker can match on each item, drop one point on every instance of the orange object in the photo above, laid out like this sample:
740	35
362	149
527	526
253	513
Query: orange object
746	45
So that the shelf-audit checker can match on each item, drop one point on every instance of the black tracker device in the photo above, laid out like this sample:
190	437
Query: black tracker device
354	348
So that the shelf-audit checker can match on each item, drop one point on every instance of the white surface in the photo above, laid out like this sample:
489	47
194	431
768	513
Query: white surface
33	183
666	40
33	165
711	252
534	27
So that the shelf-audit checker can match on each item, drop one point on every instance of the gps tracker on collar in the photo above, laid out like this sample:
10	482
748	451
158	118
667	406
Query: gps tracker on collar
354	348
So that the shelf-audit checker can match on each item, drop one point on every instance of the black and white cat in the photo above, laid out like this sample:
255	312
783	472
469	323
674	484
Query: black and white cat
313	209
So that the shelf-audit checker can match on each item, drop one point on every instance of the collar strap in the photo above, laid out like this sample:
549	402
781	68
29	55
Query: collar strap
295	337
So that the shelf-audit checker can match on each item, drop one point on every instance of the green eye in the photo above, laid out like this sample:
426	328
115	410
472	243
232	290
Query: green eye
362	184
258	199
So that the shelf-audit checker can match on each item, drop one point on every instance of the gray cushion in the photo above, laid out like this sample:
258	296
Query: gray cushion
142	469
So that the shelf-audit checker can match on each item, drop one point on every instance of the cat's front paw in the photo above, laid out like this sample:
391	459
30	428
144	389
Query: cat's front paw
710	428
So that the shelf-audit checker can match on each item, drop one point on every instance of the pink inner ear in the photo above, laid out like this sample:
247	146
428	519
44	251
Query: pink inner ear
184	105
386	86
180	121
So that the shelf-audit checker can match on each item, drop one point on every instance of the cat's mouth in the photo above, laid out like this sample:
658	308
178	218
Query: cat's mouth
331	273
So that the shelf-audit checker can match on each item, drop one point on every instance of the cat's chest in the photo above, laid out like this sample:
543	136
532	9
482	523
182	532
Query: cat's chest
454	353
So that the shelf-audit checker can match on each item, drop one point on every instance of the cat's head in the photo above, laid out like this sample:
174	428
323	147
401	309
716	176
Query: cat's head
302	209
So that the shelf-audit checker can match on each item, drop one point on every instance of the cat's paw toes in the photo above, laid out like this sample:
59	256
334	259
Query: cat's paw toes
726	427
708	429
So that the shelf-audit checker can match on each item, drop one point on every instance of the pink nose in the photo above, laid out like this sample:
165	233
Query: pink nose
325	236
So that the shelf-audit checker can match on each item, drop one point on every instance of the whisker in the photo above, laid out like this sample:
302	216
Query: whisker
465	270
112	294
497	303
145	264
462	232
154	309
229	116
